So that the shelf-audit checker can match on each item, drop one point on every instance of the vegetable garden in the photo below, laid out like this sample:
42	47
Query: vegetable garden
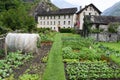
86	59
71	57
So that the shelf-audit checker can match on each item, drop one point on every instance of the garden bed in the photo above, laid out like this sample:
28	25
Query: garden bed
85	59
34	66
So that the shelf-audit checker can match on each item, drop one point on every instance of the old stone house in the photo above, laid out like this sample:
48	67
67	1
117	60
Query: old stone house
60	18
101	25
87	10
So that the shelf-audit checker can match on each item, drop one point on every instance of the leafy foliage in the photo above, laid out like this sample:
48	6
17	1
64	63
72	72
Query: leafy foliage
113	27
67	30
13	60
29	77
91	70
14	16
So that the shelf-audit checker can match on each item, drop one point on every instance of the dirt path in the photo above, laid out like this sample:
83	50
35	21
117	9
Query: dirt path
34	65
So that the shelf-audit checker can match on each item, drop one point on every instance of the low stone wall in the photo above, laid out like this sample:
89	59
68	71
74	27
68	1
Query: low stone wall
106	37
2	42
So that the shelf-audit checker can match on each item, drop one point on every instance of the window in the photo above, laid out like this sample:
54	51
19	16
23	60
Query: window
54	27
43	17
59	22
64	22
68	22
58	17
50	17
69	16
54	17
54	22
64	17
90	8
51	22
47	17
47	22
83	13
44	22
95	13
89	13
41	22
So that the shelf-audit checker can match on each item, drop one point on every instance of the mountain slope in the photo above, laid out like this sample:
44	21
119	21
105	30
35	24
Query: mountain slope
113	11
62	4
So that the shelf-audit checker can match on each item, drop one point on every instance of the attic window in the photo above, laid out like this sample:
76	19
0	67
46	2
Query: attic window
90	8
84	13
95	13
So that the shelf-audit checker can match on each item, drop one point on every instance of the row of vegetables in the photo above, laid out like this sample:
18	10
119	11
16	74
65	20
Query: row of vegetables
13	60
86	59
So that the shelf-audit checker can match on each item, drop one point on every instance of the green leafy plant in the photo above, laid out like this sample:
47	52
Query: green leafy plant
29	77
12	60
113	27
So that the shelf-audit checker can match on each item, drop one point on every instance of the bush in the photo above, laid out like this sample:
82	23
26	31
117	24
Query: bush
42	30
113	27
67	30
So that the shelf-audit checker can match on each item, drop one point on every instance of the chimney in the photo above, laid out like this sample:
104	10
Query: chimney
80	7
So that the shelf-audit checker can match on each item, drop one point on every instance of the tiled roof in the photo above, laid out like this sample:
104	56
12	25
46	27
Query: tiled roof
87	7
58	12
102	19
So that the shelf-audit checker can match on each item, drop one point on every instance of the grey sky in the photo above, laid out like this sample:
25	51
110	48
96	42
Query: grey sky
100	4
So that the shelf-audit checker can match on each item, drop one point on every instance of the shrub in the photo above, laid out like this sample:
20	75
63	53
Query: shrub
67	30
113	27
39	30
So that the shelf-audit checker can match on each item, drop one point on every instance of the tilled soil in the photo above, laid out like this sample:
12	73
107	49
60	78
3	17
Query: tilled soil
35	65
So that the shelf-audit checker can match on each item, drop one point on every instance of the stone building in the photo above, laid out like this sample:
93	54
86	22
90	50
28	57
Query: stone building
87	10
60	18
101	24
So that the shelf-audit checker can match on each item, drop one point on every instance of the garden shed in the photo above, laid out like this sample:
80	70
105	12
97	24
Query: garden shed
102	28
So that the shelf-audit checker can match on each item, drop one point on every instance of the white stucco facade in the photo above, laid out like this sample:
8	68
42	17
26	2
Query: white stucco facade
55	21
89	10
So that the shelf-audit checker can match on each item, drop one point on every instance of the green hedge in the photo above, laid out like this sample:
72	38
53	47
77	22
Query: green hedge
55	66
67	30
39	30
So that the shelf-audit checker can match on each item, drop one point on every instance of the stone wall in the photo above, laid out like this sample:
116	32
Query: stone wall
106	37
2	42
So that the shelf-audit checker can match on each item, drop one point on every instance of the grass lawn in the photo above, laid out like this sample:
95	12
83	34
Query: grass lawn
55	67
112	45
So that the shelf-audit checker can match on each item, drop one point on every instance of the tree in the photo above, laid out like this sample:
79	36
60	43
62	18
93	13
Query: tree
17	18
9	4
